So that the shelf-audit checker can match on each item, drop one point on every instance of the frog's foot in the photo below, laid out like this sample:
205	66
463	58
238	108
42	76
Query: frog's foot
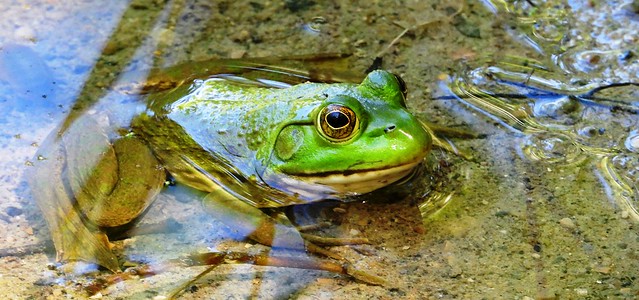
103	281
214	259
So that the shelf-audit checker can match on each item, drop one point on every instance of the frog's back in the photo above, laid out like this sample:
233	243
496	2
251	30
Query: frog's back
236	121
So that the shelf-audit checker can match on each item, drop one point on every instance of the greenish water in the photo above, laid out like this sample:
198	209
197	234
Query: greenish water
545	209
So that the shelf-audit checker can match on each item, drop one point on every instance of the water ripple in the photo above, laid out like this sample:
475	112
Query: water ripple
632	141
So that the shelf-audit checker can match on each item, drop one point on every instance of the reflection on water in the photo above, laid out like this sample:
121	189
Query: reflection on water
570	107
560	127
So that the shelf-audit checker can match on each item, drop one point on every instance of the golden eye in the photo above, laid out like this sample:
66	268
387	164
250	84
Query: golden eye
338	123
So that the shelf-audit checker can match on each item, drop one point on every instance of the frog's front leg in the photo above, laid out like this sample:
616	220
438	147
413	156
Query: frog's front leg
86	184
253	223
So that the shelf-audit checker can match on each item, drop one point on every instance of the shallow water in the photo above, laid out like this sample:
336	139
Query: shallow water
545	209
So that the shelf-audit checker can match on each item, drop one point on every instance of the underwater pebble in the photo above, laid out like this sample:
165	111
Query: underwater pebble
602	269
339	210
353	232
241	36
454	272
56	292
625	291
237	53
535	255
567	223
25	33
13	211
581	291
632	142
28	230
546	294
625	214
419	229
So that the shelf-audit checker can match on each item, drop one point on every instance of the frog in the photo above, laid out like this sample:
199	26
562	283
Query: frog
248	146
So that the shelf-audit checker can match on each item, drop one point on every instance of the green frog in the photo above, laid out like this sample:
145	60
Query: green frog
247	145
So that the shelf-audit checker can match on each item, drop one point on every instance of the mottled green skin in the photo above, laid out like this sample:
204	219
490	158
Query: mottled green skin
259	131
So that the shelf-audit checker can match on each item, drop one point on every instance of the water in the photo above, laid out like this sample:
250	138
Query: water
543	210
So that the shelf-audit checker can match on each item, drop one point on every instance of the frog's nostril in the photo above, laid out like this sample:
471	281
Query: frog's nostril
389	128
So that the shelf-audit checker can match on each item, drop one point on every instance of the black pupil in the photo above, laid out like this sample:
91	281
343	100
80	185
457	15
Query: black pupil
337	119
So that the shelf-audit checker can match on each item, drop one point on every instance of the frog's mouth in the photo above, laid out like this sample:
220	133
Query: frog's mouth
345	184
363	181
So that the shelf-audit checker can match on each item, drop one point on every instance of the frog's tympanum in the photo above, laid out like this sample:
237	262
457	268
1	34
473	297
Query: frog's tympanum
247	146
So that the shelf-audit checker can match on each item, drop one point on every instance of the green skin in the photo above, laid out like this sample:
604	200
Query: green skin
235	141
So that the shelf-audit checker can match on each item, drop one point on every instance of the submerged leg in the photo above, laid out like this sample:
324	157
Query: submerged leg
251	222
72	238
214	259
85	183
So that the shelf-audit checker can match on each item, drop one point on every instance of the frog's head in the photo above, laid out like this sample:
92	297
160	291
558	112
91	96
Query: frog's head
361	138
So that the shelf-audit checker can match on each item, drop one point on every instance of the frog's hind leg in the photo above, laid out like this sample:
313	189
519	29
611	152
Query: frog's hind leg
73	239
88	183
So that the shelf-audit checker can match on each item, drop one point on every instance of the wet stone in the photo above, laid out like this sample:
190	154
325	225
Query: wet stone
588	131
13	211
602	269
555	108
502	213
546	294
632	142
567	223
625	214
298	5
581	291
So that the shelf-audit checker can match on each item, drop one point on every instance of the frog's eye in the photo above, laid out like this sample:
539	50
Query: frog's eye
402	88
337	123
